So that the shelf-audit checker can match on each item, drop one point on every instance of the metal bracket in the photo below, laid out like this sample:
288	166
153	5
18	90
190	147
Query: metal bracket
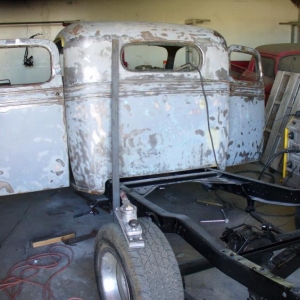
196	21
293	24
145	190
127	218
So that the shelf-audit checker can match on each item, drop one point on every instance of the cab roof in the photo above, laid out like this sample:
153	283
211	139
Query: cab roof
279	49
141	31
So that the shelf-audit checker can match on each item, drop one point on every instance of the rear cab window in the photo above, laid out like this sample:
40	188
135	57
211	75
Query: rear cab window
290	63
153	57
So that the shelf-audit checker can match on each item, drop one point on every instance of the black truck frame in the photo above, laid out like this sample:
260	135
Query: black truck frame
266	281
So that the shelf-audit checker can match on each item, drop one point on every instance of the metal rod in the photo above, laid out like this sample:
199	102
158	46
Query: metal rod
226	220
64	23
115	125
212	221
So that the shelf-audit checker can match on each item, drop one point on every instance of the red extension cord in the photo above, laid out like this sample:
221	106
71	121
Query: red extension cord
26	272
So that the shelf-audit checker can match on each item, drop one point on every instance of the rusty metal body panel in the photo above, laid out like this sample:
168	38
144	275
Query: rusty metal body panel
33	152
164	122
246	111
169	120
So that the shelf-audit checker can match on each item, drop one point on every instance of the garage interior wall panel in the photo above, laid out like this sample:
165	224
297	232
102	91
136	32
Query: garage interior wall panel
246	22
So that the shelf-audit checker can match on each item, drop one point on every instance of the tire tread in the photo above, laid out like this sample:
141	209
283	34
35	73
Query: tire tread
153	269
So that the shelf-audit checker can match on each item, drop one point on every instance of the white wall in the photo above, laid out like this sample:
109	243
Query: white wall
247	22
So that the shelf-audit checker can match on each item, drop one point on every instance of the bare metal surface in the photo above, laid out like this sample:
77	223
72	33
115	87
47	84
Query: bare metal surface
246	115
246	129
33	152
163	119
127	218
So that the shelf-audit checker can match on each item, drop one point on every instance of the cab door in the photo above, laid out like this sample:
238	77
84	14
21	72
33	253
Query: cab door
246	110
33	151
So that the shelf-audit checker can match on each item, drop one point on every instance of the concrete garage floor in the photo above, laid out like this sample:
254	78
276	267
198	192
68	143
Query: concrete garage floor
29	217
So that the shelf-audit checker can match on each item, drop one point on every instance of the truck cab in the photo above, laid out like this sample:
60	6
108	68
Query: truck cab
178	107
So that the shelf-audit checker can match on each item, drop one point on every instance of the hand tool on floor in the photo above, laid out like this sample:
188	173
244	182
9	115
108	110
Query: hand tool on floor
74	240
226	220
101	201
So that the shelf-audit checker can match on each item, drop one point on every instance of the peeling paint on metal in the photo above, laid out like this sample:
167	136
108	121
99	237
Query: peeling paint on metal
6	188
76	29
222	74
163	118
33	152
199	131
163	115
245	130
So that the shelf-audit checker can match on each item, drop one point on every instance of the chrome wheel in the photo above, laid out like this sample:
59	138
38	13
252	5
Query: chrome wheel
114	282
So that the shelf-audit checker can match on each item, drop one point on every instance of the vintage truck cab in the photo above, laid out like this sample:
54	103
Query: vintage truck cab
179	108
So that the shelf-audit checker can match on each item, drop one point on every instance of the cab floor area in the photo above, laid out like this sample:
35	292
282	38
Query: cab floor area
29	273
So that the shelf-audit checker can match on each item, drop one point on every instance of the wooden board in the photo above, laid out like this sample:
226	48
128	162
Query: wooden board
53	240
284	100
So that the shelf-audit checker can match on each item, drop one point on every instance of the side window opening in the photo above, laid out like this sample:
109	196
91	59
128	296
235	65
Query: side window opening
268	66
160	57
13	71
187	56
239	63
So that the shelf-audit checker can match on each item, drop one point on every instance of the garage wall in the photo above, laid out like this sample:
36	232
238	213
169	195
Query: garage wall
247	22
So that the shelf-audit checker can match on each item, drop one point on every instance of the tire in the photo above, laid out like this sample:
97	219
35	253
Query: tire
145	273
